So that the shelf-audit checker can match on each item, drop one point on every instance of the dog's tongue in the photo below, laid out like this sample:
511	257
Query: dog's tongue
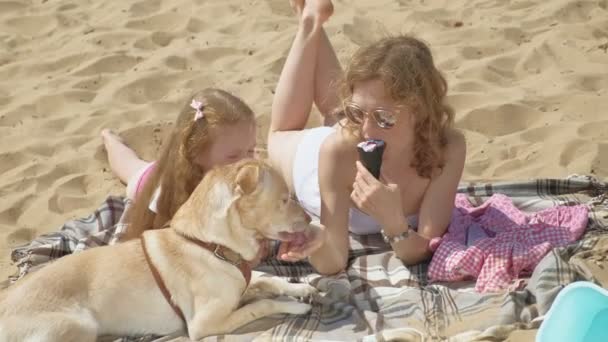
298	238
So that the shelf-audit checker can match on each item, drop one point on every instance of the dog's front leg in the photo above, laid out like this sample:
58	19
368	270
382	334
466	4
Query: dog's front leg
209	323
264	287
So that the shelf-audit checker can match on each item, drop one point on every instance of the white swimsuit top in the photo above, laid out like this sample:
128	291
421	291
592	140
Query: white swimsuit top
306	183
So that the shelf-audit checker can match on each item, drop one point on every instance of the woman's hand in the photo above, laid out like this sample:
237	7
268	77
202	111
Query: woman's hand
380	201
301	248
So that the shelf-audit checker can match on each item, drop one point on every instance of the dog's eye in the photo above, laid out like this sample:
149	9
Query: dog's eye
286	199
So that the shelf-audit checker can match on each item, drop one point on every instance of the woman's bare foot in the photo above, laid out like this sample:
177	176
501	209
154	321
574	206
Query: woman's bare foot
320	10
124	162
297	6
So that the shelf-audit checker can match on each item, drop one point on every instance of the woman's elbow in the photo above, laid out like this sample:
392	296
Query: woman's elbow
325	268
411	259
330	271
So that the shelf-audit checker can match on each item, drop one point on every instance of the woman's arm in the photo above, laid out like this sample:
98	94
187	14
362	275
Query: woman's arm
335	179
436	207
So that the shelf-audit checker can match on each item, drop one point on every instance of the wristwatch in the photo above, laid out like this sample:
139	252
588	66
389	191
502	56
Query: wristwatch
396	238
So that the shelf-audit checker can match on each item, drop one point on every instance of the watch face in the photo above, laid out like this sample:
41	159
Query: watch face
384	237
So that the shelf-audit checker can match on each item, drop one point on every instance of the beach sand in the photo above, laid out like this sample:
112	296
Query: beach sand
528	80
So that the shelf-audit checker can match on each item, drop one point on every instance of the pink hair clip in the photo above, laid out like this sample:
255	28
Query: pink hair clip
198	105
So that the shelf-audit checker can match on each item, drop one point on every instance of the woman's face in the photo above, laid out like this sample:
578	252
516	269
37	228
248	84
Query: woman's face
371	96
231	144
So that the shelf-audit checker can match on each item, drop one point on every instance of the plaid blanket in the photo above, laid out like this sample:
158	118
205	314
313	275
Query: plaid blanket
378	298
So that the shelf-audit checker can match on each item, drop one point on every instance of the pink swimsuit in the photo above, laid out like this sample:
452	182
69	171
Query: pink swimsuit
144	178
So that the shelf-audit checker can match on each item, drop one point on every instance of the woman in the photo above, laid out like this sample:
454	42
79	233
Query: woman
390	91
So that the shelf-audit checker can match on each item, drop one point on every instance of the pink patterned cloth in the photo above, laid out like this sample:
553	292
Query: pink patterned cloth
511	242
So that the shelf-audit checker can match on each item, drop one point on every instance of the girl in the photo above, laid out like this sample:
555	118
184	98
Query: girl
213	128
390	91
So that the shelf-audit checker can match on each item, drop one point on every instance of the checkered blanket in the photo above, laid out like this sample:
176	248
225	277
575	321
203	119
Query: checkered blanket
378	298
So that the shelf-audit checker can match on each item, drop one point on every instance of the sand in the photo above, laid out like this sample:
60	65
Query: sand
528	81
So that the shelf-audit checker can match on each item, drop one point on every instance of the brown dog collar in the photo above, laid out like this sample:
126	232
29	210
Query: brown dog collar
219	251
160	283
226	254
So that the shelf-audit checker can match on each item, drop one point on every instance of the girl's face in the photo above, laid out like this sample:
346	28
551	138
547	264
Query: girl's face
379	116
231	144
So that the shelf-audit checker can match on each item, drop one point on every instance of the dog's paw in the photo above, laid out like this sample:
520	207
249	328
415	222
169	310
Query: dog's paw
303	291
297	308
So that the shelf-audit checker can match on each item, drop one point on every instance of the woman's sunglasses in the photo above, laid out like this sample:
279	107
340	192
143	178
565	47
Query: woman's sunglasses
384	118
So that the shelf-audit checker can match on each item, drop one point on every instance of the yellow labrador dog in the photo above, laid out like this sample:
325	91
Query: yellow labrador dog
190	277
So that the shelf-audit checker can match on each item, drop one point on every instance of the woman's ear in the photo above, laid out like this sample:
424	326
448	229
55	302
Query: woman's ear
247	179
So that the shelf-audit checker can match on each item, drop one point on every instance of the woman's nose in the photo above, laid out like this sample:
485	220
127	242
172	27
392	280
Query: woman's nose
368	126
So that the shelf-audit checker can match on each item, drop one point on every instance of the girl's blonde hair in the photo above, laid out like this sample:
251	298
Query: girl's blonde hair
405	66
176	172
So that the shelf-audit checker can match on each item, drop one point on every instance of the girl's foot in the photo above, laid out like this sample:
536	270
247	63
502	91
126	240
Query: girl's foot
124	162
110	138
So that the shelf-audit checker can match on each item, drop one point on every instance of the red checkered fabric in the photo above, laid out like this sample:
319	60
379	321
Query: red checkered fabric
514	241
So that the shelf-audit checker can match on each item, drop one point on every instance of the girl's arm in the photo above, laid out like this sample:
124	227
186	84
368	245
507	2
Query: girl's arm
335	179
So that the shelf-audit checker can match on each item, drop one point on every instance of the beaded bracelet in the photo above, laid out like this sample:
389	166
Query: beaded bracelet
392	239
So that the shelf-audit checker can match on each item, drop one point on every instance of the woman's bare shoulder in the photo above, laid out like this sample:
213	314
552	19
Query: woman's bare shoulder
341	143
338	155
455	153
456	141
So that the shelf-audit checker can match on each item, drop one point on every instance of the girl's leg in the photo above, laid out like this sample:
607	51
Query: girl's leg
295	90
124	162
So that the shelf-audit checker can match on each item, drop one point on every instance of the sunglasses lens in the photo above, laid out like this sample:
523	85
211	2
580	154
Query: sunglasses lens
354	114
385	119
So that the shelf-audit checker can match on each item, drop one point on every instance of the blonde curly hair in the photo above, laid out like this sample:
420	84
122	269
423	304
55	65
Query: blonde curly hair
405	66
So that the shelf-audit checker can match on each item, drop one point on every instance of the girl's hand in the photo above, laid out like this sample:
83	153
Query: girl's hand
296	250
380	201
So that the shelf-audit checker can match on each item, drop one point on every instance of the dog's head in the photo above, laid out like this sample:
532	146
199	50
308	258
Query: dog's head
241	201
263	201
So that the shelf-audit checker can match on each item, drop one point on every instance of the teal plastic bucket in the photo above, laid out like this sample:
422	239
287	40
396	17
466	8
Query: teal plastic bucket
578	314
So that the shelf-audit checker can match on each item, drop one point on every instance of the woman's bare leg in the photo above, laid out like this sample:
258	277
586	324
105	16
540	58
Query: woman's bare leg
327	69
295	91
297	86
124	162
327	72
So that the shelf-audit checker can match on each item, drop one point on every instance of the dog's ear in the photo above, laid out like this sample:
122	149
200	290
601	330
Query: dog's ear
221	199
247	179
